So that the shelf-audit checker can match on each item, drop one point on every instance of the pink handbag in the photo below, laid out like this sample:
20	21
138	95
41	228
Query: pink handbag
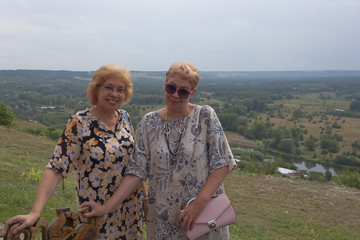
217	213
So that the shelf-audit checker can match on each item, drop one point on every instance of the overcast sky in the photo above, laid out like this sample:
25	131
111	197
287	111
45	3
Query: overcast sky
149	35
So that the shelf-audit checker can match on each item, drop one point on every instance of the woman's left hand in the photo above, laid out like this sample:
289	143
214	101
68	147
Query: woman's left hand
189	215
96	209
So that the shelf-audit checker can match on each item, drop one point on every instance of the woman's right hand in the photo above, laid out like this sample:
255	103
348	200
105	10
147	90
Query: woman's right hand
24	220
96	209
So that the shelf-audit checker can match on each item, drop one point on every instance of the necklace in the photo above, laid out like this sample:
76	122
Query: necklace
109	122
181	132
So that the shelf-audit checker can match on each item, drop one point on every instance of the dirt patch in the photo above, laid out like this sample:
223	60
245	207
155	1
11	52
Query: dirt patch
236	140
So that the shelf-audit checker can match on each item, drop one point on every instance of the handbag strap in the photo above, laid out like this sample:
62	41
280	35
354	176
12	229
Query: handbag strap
198	117
124	113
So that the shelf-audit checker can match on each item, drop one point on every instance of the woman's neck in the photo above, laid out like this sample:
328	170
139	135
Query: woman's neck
105	114
178	114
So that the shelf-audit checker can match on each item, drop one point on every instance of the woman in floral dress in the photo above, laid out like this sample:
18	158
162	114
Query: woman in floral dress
96	145
183	152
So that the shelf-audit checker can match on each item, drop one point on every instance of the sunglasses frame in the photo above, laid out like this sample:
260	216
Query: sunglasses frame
188	92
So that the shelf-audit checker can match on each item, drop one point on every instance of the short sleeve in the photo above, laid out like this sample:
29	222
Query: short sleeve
219	151
140	157
68	148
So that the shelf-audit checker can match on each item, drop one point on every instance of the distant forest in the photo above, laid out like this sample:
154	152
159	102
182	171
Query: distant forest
248	103
49	97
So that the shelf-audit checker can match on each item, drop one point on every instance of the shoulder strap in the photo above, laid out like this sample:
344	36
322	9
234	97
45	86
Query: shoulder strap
198	118
124	113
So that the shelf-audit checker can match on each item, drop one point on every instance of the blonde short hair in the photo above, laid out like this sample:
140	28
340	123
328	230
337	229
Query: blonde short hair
186	70
110	71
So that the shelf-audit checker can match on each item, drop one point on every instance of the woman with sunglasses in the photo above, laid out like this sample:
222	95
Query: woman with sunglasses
183	152
96	144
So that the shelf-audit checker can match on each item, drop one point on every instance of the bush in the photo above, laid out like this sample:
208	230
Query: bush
6	116
310	144
349	179
286	145
328	175
347	160
330	143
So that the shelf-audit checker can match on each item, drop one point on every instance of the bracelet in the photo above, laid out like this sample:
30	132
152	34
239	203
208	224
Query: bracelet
145	198
188	203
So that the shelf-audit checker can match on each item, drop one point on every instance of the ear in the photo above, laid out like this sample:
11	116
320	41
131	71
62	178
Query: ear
193	93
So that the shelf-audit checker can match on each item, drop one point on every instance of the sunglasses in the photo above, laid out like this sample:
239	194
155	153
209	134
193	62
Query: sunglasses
182	92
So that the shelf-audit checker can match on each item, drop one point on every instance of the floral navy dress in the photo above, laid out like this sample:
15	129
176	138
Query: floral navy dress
99	158
173	181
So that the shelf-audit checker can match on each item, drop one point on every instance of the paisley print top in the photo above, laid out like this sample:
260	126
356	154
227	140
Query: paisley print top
99	158
174	181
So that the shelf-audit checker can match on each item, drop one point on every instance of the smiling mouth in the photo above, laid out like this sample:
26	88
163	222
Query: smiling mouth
113	100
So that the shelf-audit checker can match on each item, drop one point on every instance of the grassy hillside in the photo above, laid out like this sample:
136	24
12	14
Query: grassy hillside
267	207
23	158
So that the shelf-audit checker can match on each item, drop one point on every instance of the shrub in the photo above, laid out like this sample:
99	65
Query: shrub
347	160
349	179
286	145
6	116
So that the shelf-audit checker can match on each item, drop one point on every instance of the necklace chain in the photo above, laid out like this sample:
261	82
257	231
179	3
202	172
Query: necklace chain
181	132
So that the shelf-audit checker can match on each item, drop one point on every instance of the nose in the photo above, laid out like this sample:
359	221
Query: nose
176	94
113	92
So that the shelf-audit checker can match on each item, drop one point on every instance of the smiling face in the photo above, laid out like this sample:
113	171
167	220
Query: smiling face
173	101
111	94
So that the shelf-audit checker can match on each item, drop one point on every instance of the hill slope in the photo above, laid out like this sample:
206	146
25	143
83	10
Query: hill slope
267	207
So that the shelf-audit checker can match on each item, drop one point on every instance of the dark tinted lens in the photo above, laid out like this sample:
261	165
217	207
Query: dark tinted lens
183	93
170	89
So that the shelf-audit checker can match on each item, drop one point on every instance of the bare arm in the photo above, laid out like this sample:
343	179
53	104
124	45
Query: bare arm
126	187
46	188
188	216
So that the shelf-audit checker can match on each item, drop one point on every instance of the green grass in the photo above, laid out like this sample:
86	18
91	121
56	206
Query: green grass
267	207
23	158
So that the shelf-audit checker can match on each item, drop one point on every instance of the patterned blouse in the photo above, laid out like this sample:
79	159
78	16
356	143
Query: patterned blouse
174	181
99	158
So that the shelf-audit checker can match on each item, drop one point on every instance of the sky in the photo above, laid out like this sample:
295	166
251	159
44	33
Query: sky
150	35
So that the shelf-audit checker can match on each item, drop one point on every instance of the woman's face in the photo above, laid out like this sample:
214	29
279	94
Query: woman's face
111	94
174	100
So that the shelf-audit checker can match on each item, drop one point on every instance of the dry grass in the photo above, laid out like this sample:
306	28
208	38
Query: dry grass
310	104
272	207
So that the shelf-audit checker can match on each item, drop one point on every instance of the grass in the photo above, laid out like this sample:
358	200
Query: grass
23	158
267	207
272	207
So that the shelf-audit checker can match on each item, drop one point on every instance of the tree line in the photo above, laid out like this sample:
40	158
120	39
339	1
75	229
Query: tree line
49	97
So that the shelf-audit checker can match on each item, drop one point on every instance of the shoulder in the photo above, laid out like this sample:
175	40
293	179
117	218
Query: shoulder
151	115
123	111
125	114
81	113
83	116
150	120
207	111
207	108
